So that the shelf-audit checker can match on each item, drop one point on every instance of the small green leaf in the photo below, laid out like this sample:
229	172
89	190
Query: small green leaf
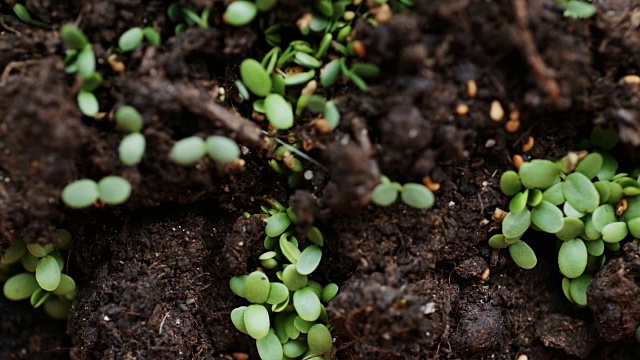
319	339
331	114
29	262
188	151
48	273
237	318
590	166
498	242
73	37
580	192
569	211
329	73
523	255
604	191
292	279
278	293
614	232
634	227
566	283
294	348
417	196
329	292
595	248
62	239
578	9
578	289
603	215
309	260
571	228
256	321
516	223
132	148
278	112
572	258
306	60
539	174
86	62
299	78
384	194
256	287
237	284
130	39
240	13
114	190
554	194
519	201
80	193
88	103
269	347
57	309
14	252
535	197
222	149
152	36
277	224
307	304
609	166
39	297
128	119
547	217
255	77
20	286
603	138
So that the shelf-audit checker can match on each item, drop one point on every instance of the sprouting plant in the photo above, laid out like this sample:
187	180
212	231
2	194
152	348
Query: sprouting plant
81	59
111	190
577	9
23	14
133	37
42	280
286	315
184	17
190	150
412	194
582	200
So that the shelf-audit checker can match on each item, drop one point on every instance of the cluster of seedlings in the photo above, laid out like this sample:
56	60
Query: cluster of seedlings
33	271
582	200
286	315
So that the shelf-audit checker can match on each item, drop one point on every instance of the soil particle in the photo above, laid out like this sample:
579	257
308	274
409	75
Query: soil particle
573	336
480	327
244	243
473	267
613	296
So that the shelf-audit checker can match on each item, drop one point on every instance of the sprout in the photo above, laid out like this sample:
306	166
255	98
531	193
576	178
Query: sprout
48	273
20	287
307	304
269	347
23	14
80	193
152	36
522	255
256	321
188	151
86	62
256	287
114	190
572	258
309	260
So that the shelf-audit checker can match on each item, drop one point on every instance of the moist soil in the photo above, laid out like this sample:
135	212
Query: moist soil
414	284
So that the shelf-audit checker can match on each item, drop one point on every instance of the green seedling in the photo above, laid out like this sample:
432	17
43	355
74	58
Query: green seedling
222	149
114	190
577	200
240	13
577	9
287	317
43	282
80	193
23	14
188	151
415	195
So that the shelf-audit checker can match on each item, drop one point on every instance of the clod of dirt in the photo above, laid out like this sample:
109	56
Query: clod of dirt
566	333
473	267
480	327
387	320
613	296
243	242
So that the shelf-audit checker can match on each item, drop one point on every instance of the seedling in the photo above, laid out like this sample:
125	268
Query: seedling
112	190
286	315
189	151
81	59
43	282
577	9
23	14
581	200
414	195
133	37
184	17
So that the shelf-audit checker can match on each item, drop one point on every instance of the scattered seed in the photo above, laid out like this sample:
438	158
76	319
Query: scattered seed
359	49
430	184
523	357
514	115
631	79
348	15
622	206
517	161
496	112
116	65
310	88
304	21
472	88
462	109
526	147
485	274
498	215
512	126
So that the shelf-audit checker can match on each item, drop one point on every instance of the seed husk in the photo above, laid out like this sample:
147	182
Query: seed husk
130	39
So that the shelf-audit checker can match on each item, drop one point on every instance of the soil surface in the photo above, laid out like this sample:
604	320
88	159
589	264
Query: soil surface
414	284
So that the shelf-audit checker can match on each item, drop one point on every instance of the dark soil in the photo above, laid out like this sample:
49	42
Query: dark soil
153	273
